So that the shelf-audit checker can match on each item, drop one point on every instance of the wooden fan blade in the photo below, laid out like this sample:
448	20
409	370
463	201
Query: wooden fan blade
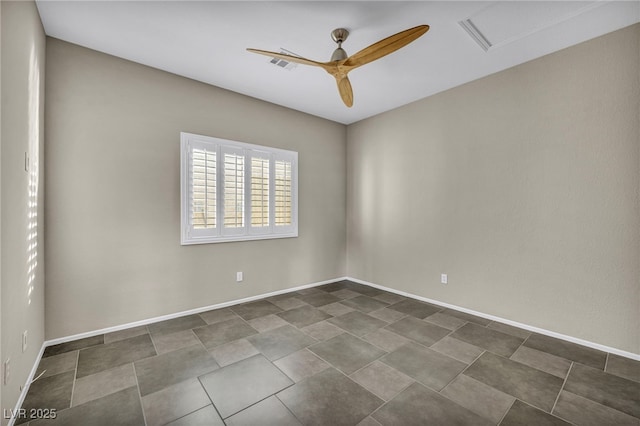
385	46
346	92
291	58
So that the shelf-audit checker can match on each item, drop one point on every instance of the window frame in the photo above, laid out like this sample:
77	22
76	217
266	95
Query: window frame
189	235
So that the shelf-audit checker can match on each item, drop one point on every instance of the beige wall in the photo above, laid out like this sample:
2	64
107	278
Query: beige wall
113	200
523	186
21	192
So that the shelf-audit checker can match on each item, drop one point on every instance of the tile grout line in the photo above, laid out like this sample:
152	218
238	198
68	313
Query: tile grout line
562	388
507	412
135	374
75	377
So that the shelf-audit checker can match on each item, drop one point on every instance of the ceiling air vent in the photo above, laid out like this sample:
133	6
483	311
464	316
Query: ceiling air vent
282	63
504	22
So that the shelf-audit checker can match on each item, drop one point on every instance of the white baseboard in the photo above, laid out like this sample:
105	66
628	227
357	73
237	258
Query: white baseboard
184	313
505	321
27	385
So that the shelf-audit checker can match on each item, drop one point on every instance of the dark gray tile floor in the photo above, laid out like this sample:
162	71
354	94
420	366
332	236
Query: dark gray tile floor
339	354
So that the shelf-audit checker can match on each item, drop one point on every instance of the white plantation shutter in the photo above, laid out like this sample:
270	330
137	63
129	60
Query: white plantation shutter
203	189
233	191
234	188
260	184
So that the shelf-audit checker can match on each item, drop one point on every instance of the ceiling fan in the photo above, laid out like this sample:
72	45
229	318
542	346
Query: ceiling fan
340	64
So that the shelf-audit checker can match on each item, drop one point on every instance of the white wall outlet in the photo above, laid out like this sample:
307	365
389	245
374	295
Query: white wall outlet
239	277
24	341
6	371
444	279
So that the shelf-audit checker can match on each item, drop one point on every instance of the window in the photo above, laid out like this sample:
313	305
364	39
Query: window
233	191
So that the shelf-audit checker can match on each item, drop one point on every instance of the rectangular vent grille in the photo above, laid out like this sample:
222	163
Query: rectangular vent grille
282	63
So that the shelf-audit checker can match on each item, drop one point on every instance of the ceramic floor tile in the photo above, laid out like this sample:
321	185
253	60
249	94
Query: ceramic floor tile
491	340
420	331
389	298
429	367
207	416
336	309
419	406
170	342
382	380
359	340
301	364
269	412
387	315
507	329
268	322
121	408
386	340
467	317
369	421
345	294
223	332
336	286
319	299
176	324
103	383
253	310
281	341
329	398
73	345
357	323
233	352
446	321
347	353
164	370
542	361
218	315
49	392
522	414
623	367
57	364
457	349
125	334
283	296
364	304
587	356
604	388
365	290
322	330
526	383
174	402
483	400
304	316
103	357
582	411
237	386
415	309
308	291
289	303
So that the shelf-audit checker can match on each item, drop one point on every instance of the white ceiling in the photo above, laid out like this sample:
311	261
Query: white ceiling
206	41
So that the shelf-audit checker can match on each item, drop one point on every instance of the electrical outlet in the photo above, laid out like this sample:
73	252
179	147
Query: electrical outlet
24	341
239	276
444	279
6	371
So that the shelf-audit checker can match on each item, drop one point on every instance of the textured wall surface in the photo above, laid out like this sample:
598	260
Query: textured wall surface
113	201
523	186
21	191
